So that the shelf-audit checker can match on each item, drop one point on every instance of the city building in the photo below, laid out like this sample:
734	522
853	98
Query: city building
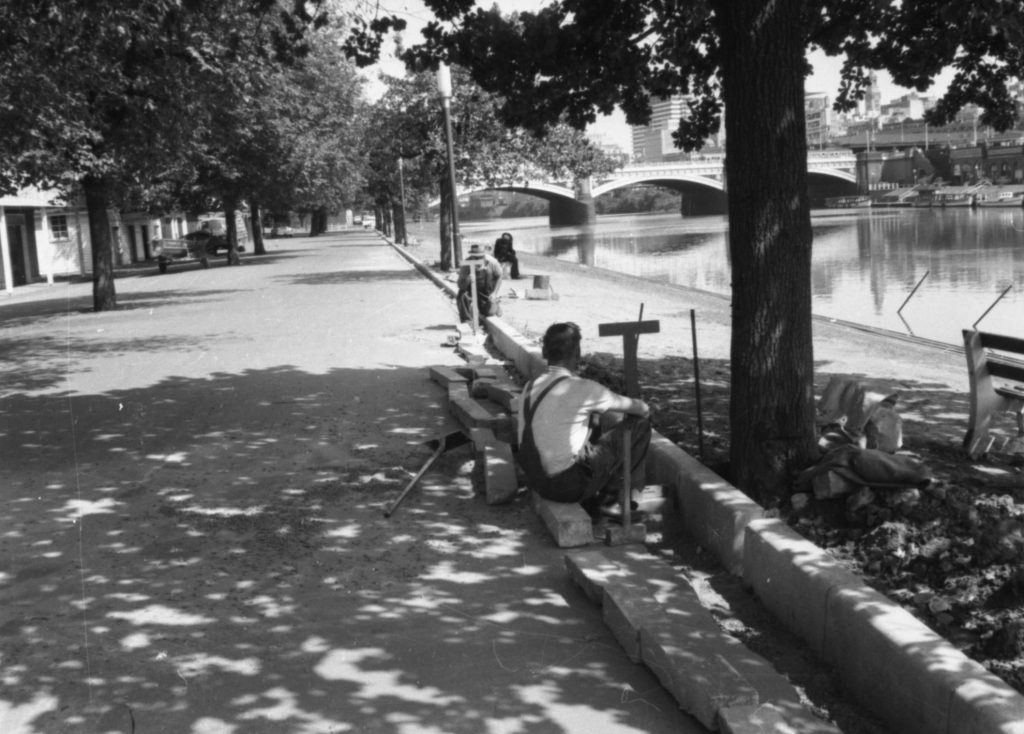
653	143
818	114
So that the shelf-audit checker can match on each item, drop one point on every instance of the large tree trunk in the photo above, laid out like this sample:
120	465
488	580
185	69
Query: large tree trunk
104	297
256	219
318	222
398	213
401	236
772	403
230	207
445	221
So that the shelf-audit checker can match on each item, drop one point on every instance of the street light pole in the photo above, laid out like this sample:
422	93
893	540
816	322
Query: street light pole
401	193
444	88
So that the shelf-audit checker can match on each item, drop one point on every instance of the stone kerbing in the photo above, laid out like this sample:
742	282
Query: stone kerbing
936	682
944	689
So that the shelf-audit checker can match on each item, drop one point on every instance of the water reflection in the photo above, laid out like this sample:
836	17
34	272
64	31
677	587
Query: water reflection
866	264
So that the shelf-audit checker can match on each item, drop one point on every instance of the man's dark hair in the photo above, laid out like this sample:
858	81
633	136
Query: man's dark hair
506	236
561	342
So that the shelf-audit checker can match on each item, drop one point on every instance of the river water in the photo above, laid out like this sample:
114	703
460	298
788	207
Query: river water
923	272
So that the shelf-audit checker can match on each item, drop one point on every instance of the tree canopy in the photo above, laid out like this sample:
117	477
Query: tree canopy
100	95
407	124
741	63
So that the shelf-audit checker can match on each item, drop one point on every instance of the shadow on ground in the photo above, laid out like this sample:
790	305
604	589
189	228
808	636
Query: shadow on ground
212	556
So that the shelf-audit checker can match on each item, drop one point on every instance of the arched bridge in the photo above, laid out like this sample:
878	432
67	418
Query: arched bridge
701	179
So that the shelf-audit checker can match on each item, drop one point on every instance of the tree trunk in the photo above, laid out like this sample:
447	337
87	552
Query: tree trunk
319	222
445	221
401	237
230	207
771	411
104	297
256	218
385	218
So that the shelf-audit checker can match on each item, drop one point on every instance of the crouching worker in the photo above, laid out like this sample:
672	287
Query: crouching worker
487	272
565	456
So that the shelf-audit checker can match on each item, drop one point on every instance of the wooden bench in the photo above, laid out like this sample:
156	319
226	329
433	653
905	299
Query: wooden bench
995	366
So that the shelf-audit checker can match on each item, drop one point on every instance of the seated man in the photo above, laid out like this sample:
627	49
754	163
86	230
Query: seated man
562	458
488	280
504	252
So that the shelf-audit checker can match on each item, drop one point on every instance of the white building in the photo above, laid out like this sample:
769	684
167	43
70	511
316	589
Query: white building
653	142
43	236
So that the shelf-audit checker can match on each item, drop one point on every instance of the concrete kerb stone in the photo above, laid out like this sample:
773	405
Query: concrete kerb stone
713	511
780	565
431	274
911	675
916	680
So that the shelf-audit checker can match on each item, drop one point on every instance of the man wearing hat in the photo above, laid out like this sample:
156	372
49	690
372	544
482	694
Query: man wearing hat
488	280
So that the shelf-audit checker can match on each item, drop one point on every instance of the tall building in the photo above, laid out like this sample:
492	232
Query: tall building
817	115
872	102
653	142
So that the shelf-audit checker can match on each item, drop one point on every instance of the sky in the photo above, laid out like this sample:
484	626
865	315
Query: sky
612	129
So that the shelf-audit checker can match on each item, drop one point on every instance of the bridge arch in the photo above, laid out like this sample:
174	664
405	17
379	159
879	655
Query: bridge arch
563	206
675	182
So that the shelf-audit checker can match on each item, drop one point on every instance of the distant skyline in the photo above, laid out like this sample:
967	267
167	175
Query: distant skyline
613	128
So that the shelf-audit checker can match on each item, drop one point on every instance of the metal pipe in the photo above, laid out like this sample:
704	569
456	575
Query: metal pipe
975	324
912	292
696	382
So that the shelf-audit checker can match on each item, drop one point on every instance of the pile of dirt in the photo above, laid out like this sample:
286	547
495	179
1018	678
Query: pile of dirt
952	554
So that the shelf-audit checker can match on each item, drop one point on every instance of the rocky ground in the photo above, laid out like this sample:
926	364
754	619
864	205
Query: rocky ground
953	553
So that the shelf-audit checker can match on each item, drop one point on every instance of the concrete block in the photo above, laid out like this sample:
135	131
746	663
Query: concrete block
524	353
713	511
625	535
506	430
568	523
592	570
500	484
474	354
470	413
625	609
772	719
478	388
690	664
878	647
793	578
985	703
485	372
503	394
445	376
458	391
541	294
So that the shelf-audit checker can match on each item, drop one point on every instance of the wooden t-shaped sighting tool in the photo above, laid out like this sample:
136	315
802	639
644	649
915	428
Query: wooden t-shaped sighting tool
630	331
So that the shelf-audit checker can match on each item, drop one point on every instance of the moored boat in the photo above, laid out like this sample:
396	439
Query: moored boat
848	202
1003	199
956	200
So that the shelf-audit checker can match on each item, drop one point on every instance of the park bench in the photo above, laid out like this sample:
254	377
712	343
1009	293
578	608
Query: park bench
995	366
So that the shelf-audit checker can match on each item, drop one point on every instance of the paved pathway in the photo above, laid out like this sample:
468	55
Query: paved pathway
191	537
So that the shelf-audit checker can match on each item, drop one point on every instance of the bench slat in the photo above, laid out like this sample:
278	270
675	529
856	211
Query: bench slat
1006	370
1002	342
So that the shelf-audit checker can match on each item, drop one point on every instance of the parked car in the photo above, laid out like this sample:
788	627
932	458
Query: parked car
168	251
199	246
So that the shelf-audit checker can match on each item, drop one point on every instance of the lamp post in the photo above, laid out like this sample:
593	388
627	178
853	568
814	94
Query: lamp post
444	88
401	194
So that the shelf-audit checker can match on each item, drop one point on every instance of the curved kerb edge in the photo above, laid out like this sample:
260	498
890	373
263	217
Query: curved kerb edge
893	663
